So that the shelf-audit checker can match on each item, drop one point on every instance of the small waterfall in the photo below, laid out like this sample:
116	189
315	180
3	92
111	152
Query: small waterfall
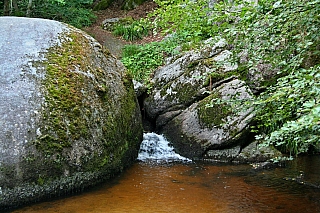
155	147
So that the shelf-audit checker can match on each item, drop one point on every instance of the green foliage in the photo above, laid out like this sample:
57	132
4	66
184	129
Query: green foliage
74	12
141	60
290	112
131	31
183	17
284	34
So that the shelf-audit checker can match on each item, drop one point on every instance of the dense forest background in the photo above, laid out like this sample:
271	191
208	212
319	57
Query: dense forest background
281	34
74	12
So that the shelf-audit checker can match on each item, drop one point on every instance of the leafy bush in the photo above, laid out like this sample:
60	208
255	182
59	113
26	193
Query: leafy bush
74	12
286	35
182	17
142	60
131	31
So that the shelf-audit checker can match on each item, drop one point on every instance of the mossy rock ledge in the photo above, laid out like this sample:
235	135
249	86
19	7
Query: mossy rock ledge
69	115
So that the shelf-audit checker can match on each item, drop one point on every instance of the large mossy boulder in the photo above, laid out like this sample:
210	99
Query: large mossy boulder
69	114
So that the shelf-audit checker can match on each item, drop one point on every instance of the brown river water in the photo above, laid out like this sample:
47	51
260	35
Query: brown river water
195	187
199	187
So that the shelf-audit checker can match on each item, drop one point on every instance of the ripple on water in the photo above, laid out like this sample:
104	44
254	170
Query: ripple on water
194	187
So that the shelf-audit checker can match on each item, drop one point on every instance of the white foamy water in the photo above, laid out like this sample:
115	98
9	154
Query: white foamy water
155	147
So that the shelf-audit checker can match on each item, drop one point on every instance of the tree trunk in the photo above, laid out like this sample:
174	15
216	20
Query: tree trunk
15	6
6	7
29	8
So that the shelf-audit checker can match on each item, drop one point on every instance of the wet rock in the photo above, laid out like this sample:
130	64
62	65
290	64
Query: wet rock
224	155
264	165
260	75
69	115
139	88
254	153
163	119
197	102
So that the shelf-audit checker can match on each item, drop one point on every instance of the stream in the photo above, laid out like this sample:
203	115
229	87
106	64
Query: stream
163	181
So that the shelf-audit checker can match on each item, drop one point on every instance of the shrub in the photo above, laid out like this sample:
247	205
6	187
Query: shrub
142	60
74	12
131	31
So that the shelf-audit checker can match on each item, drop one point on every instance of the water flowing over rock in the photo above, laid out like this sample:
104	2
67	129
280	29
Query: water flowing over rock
69	115
197	103
155	147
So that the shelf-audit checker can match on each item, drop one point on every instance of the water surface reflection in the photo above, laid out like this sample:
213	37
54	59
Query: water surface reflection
198	187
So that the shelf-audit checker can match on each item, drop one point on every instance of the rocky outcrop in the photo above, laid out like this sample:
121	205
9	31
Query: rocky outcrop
186	79
197	103
211	123
69	115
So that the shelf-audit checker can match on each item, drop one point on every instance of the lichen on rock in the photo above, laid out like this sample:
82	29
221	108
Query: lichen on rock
79	122
207	125
183	80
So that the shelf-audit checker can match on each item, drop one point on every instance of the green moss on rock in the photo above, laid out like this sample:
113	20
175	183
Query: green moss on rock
63	117
79	106
85	124
211	113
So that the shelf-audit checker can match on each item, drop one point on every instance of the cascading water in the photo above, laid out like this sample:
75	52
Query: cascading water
156	148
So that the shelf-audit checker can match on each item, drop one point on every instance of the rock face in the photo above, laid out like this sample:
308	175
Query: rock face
197	103
69	115
184	80
209	124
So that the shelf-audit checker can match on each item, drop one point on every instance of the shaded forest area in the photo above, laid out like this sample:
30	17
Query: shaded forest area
78	13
